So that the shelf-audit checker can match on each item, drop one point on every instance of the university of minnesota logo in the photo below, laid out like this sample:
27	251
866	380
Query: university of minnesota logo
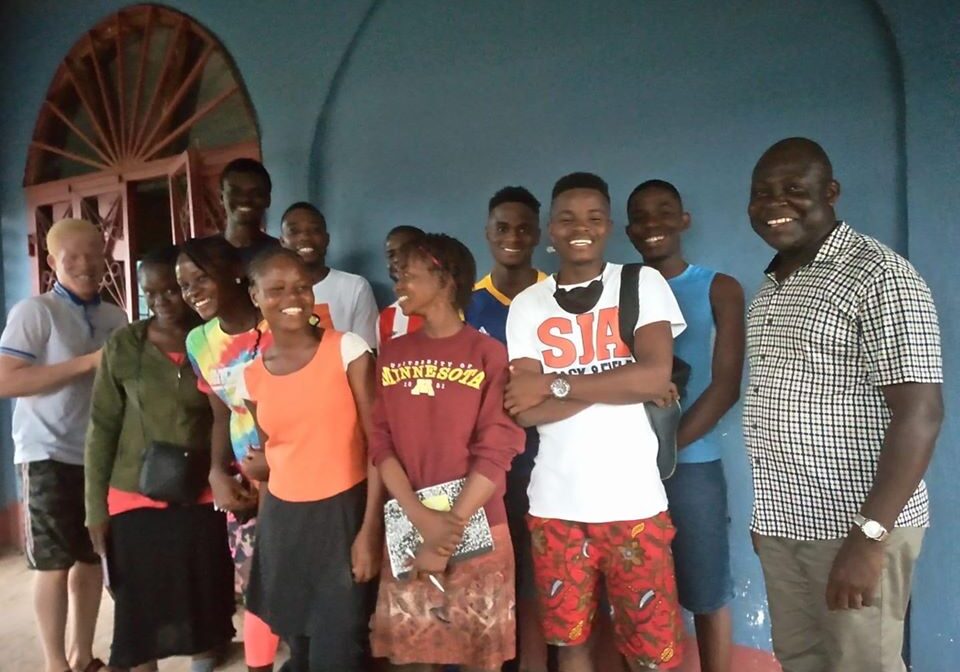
423	386
425	377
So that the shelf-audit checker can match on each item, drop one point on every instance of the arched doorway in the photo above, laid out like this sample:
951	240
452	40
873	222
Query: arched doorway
141	116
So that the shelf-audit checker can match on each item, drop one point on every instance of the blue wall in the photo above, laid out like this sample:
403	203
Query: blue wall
415	111
929	44
429	118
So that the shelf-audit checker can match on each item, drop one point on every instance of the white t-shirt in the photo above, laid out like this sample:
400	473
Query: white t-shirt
350	301
601	464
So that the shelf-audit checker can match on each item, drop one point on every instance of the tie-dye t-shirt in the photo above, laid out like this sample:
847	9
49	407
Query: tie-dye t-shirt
219	359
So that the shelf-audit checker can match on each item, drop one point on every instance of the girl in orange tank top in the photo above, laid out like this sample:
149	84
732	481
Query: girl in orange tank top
320	529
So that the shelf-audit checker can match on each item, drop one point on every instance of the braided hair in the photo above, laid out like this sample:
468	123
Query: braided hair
259	264
216	257
448	257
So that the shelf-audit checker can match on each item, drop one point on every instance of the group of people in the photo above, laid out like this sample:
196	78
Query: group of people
306	410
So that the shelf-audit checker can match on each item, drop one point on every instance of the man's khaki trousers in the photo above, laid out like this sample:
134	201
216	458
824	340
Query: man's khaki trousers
807	637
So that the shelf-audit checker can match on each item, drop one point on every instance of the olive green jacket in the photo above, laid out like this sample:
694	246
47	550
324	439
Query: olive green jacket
139	395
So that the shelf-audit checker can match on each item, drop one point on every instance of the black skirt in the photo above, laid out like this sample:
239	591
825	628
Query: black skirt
172	582
301	581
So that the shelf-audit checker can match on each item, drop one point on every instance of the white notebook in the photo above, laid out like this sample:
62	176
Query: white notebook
403	539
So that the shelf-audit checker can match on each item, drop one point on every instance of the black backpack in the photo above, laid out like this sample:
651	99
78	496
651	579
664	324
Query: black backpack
664	421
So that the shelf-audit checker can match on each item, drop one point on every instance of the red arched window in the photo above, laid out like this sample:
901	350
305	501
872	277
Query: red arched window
141	116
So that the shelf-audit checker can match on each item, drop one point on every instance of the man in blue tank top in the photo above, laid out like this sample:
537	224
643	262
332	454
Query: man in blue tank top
713	345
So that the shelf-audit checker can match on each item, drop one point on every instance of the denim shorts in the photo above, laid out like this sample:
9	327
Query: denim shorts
697	493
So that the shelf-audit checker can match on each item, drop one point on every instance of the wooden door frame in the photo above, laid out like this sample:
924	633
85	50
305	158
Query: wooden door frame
203	172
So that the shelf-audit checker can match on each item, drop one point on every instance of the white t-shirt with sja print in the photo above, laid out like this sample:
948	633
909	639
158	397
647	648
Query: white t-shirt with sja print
349	300
599	465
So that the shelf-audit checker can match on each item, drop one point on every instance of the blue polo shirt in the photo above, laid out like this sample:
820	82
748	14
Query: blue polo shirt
49	329
487	312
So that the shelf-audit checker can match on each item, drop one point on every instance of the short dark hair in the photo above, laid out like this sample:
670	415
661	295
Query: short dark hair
448	256
413	231
580	180
514	195
258	265
304	205
655	184
249	166
214	256
161	256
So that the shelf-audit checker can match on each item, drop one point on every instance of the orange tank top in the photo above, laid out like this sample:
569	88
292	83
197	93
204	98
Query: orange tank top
314	447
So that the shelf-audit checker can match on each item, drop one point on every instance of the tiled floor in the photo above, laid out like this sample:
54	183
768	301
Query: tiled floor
20	651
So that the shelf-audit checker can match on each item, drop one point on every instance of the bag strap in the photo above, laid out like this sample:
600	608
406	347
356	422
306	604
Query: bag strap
141	347
630	312
629	309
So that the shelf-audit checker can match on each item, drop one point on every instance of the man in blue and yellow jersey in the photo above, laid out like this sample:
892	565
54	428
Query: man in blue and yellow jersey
513	233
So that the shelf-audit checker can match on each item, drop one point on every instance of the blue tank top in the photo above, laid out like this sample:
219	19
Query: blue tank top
695	346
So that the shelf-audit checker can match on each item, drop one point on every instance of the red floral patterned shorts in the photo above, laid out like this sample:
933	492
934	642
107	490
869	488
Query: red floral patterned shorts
636	564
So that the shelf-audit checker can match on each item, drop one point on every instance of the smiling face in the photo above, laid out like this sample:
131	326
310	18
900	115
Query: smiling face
580	225
79	262
513	233
305	232
283	291
200	291
655	221
420	286
792	195
159	285
245	198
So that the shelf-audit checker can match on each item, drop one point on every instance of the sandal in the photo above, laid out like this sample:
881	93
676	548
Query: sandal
95	665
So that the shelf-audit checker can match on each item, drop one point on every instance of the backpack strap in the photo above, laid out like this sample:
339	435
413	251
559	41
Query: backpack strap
629	303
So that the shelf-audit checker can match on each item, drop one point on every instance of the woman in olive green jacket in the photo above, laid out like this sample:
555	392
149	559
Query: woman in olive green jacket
169	566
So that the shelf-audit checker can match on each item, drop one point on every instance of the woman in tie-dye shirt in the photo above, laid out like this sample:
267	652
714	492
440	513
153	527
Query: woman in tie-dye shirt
211	276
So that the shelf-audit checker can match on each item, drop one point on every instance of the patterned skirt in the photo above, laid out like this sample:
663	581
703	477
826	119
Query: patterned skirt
471	623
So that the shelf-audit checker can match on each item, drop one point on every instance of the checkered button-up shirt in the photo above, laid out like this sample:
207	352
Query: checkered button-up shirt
821	346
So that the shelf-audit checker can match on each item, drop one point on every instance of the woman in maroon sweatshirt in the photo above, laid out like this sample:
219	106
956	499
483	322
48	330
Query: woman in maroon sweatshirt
439	417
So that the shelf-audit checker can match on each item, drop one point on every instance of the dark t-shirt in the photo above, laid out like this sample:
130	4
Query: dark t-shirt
257	245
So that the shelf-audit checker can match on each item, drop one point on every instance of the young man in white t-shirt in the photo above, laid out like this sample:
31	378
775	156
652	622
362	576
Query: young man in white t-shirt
598	510
344	301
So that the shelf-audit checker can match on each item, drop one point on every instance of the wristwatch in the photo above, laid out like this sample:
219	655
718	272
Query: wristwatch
560	387
871	529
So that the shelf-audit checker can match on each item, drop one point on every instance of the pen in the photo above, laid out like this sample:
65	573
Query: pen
434	580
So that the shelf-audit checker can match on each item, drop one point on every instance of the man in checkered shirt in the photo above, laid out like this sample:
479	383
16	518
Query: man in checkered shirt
841	416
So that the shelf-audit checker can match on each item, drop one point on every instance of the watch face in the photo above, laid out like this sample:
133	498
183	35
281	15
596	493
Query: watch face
560	388
872	529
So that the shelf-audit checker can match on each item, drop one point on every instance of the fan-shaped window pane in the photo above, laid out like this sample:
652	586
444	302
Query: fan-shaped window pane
144	84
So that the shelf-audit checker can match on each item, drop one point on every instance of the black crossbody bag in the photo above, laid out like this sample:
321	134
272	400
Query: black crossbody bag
664	421
170	473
